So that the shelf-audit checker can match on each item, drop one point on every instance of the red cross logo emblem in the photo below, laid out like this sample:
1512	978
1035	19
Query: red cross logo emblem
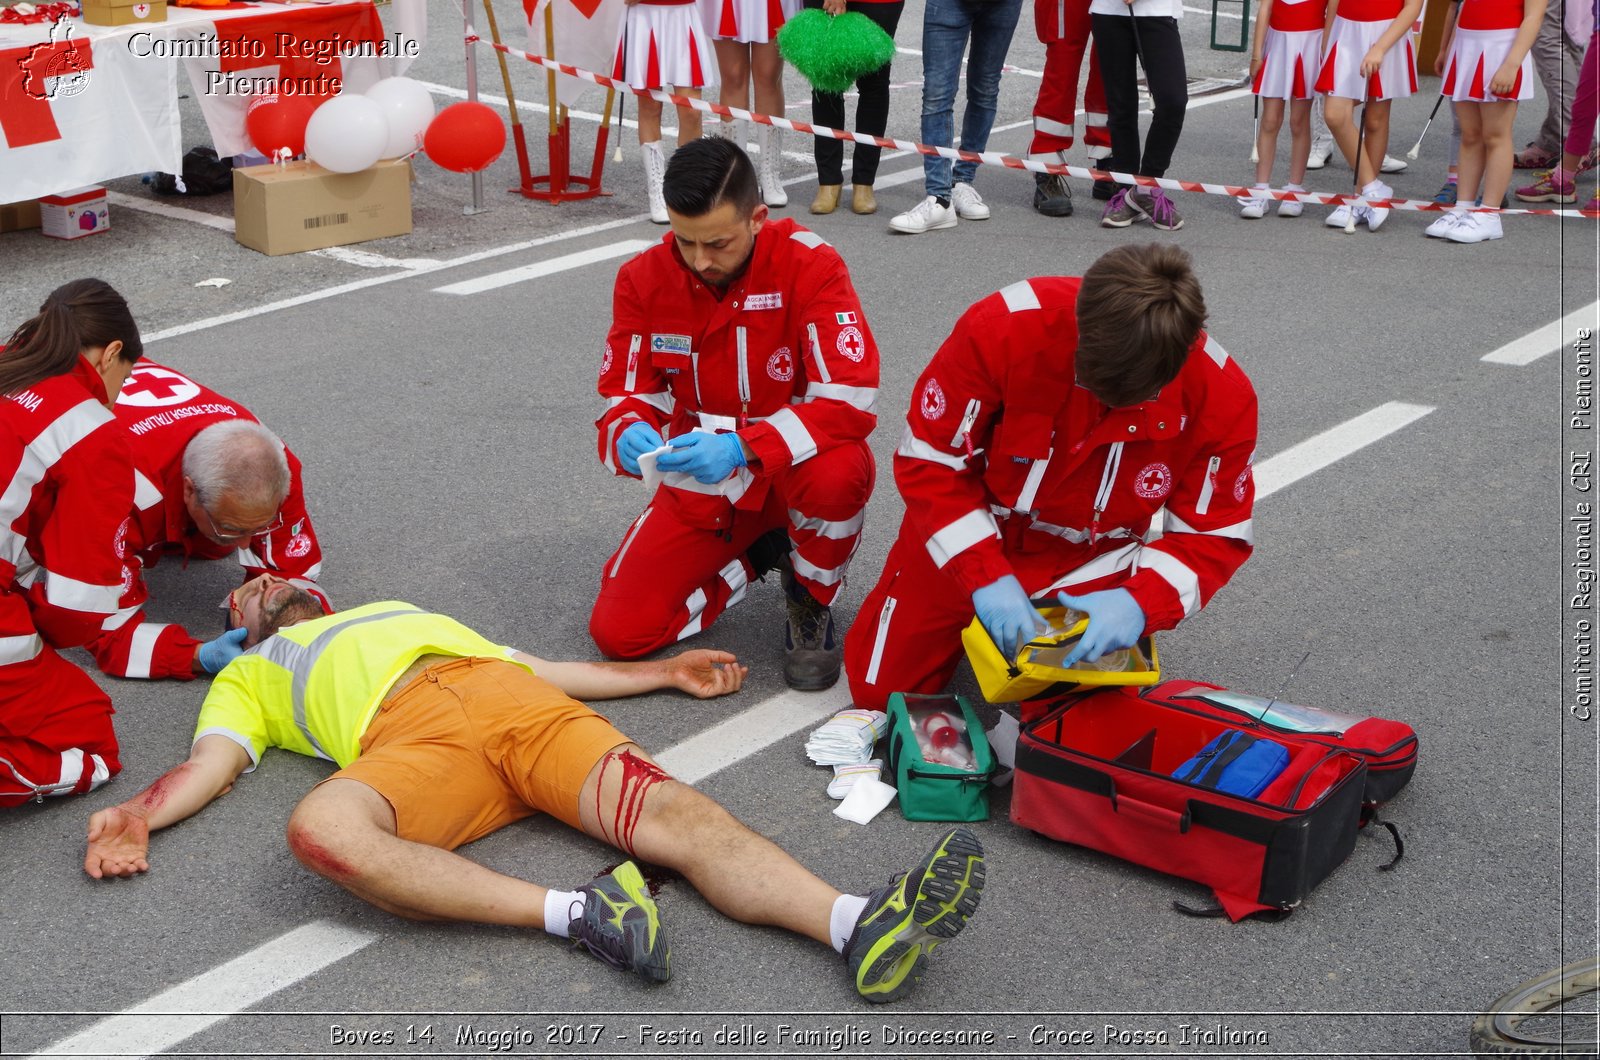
1154	482
31	78
153	387
850	344
780	366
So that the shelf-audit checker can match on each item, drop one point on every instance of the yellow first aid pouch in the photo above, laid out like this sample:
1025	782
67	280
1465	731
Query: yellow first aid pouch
1037	670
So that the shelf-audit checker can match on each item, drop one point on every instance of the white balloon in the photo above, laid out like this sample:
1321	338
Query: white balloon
347	134
409	108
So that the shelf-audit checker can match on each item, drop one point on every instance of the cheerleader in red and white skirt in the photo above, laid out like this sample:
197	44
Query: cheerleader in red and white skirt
746	32
1486	71
1367	58
661	43
1283	67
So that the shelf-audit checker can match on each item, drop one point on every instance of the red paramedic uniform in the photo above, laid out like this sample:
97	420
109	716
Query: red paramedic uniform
1008	467
162	410
63	514
785	358
1063	29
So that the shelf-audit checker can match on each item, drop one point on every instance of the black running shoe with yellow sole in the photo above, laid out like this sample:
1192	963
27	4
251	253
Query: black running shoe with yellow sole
904	921
621	926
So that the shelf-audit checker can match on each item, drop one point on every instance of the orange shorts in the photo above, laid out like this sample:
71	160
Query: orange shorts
472	745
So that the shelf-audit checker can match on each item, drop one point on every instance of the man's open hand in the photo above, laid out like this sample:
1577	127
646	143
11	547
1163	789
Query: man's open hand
118	842
705	674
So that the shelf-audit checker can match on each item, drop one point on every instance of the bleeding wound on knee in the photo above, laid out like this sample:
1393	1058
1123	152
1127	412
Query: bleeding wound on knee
638	777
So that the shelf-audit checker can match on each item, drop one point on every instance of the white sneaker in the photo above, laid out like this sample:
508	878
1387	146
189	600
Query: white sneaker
1393	165
1321	148
1252	207
1374	216
969	205
924	217
1339	217
1291	207
1447	220
1475	227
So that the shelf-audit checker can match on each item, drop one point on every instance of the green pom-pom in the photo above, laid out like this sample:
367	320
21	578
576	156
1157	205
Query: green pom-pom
833	52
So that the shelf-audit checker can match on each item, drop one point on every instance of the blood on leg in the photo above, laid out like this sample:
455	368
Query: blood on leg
637	776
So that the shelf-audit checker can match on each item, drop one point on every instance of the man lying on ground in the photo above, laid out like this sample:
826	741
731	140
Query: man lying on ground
443	737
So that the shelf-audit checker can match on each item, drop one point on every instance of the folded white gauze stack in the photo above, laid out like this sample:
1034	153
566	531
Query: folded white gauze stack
847	738
846	774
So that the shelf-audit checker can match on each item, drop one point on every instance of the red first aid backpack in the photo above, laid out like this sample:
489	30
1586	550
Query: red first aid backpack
1096	768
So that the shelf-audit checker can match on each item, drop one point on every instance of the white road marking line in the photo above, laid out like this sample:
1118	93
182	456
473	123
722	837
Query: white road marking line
124	201
1535	344
212	996
1334	444
579	259
750	731
369	260
357	285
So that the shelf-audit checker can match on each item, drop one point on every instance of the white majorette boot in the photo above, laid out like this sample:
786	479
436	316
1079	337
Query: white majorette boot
655	172
770	142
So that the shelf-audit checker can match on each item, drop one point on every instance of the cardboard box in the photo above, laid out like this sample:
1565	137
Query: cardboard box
17	216
301	206
123	12
74	214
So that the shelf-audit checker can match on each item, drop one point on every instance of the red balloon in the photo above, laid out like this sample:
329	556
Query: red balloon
465	137
276	122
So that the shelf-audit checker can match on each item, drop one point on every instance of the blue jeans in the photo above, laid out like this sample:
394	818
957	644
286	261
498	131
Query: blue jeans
946	25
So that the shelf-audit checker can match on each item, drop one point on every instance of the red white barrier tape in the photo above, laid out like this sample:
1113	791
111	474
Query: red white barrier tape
997	158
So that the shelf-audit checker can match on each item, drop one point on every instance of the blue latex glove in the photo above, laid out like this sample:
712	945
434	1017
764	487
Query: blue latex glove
1007	613
637	440
1115	621
215	654
708	457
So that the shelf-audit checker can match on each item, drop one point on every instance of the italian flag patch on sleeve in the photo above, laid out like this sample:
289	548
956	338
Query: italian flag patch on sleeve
845	318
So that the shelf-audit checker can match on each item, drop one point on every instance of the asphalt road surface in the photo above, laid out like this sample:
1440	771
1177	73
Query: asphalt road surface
1420	558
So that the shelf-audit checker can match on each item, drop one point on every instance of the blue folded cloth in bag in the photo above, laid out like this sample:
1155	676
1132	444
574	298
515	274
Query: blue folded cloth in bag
1236	763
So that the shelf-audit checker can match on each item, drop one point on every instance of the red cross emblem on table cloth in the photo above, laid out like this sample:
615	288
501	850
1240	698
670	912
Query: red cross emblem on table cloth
31	78
1154	482
152	387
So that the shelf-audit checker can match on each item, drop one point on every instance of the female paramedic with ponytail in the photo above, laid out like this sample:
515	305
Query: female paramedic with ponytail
68	473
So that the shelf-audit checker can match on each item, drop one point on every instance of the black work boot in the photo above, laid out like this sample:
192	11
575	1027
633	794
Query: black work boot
1051	196
811	658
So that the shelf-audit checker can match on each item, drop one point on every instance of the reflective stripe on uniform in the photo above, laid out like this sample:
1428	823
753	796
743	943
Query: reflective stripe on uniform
916	449
74	595
1020	296
1241	531
1176	573
955	538
864	398
794	434
142	648
20	649
38	457
834	530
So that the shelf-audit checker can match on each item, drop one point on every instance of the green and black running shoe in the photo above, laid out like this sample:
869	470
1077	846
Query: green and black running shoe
904	921
621	925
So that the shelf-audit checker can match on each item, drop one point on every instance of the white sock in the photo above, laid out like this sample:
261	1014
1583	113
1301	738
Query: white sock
561	908
1261	184
1293	187
1373	189
847	909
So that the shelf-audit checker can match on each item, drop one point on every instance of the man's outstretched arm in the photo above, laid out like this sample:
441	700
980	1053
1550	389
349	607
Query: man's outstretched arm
701	673
119	836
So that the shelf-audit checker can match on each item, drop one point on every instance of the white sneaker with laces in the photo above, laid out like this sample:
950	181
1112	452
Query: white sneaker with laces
924	217
1475	227
1254	205
1339	217
969	205
1291	207
1446	221
1393	165
1321	148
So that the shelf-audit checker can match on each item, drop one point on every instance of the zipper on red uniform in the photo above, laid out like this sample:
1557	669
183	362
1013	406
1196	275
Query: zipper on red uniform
1102	496
744	382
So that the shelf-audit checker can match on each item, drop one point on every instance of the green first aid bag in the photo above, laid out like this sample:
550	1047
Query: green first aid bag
940	758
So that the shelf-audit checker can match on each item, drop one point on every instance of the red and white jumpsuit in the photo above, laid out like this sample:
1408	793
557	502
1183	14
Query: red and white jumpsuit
162	410
785	358
1008	467
68	487
1063	29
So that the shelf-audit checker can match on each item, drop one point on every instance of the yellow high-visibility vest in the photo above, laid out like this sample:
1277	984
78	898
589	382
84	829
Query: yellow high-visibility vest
313	687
